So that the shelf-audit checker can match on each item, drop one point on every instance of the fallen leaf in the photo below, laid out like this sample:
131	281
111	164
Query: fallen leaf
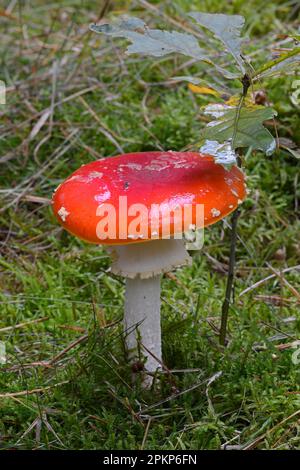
203	90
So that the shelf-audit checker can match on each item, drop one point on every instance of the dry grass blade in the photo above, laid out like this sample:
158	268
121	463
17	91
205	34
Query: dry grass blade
286	283
103	128
271	276
67	349
255	443
37	199
22	325
169	19
72	98
146	434
31	392
275	300
179	394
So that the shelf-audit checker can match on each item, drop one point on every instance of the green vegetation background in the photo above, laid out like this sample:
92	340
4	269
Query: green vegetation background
109	103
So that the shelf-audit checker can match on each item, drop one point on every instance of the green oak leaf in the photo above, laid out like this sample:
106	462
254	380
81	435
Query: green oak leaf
156	42
226	28
246	131
153	42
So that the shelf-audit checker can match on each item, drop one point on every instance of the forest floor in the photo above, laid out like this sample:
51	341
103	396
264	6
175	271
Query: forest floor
66	380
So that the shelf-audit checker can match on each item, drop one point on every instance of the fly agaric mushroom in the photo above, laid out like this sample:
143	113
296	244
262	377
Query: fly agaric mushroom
126	203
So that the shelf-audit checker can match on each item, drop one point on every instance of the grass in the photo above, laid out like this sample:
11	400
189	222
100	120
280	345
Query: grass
87	400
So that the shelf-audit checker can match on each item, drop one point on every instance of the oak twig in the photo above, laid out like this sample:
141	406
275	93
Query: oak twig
246	82
230	278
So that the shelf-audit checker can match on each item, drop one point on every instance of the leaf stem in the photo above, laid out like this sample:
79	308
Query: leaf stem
272	63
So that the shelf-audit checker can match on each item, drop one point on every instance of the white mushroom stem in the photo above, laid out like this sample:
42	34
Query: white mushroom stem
142	321
142	265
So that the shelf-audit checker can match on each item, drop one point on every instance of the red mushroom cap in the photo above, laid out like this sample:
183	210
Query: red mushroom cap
173	179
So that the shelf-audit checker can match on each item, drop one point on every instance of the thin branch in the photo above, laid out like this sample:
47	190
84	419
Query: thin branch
246	82
230	278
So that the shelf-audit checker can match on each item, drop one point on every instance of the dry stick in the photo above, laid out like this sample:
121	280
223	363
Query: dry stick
230	278
246	82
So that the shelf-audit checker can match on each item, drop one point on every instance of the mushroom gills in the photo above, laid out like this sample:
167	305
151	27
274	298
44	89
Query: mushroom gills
149	259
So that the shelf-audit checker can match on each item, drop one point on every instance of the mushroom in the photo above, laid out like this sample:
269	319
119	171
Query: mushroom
139	205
